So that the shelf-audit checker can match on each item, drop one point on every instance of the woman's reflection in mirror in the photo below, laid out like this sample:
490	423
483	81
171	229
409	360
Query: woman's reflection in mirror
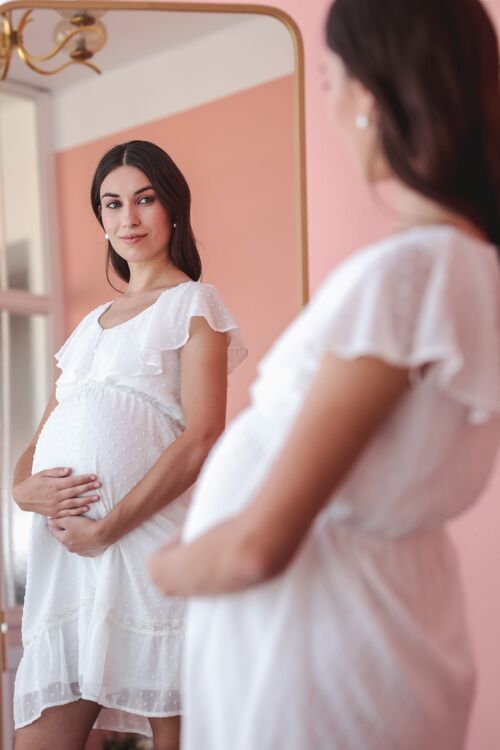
140	401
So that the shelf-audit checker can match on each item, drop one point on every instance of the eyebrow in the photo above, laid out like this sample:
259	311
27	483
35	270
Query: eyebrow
137	192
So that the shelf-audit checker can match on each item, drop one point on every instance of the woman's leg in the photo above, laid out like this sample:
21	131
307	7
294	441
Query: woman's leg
59	728
166	733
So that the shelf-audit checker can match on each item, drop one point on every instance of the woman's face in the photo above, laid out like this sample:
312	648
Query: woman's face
137	224
351	108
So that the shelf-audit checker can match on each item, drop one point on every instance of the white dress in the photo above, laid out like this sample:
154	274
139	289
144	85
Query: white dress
96	628
361	644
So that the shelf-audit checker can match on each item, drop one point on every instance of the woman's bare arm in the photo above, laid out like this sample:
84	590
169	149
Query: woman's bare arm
52	492
346	403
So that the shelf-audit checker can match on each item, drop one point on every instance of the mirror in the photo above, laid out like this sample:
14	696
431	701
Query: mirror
222	93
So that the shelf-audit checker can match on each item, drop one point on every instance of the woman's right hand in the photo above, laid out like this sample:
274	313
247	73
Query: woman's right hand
55	493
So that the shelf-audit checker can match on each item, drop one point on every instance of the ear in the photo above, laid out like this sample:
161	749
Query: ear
365	101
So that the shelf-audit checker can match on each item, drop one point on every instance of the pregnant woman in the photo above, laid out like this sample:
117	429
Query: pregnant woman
140	400
327	610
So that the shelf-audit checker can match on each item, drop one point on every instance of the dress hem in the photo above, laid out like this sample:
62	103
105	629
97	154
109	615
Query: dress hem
131	730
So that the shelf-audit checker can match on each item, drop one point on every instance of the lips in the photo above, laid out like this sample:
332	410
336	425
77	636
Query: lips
132	237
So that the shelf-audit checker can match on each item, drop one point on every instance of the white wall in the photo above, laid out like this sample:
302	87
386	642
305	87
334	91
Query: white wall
178	79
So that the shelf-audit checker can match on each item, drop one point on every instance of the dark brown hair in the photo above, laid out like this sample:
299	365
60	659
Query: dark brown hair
433	68
171	190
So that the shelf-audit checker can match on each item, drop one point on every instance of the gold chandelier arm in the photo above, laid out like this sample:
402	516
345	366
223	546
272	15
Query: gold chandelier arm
6	65
7	31
25	19
67	64
25	55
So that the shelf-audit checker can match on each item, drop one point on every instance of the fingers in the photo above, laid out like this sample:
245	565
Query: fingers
72	512
54	524
77	502
58	471
156	562
57	532
173	541
154	568
78	490
78	481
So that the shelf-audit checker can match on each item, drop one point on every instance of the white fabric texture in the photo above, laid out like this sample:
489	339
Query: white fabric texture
95	627
361	644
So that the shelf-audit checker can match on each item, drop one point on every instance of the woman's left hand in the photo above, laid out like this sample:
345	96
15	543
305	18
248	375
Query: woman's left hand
78	534
179	569
223	560
196	568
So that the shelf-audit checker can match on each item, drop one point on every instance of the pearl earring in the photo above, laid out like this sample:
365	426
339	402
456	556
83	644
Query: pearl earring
362	122
174	224
106	236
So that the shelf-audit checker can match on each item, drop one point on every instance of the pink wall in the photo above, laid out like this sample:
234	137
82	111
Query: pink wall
237	155
342	216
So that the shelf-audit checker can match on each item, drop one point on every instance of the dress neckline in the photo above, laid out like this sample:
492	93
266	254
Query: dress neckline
108	305
447	227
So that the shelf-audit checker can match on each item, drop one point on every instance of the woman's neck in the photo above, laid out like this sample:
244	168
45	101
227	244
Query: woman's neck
149	279
414	209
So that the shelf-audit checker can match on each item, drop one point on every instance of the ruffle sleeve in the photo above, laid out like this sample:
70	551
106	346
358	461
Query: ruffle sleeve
421	304
75	355
168	326
136	347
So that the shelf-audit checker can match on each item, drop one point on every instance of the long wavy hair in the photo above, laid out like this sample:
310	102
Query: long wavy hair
173	193
433	68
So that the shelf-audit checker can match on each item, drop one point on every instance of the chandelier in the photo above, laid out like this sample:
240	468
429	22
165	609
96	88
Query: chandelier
80	34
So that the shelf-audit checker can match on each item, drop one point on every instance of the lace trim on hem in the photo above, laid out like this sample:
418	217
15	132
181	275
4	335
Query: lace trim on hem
101	722
123	622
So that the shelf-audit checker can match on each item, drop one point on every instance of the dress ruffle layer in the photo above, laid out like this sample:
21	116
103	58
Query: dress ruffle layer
164	326
92	655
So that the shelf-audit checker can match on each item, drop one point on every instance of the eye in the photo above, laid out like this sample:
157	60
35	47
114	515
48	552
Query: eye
113	204
146	199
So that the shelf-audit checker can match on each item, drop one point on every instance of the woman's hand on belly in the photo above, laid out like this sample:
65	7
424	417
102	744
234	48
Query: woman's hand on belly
221	561
55	493
79	535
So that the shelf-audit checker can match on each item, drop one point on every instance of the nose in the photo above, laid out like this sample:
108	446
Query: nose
130	216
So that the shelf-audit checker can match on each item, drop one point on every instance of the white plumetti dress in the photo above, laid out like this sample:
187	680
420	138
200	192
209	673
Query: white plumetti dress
96	628
361	644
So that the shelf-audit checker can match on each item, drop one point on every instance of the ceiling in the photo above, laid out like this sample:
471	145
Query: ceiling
132	35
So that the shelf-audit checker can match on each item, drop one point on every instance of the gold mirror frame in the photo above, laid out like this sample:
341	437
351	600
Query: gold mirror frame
299	97
298	124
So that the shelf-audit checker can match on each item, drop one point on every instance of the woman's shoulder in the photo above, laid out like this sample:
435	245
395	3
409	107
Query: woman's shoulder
191	288
437	242
188	296
168	326
397	283
419	252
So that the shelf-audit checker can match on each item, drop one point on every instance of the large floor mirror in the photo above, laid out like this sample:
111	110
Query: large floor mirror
220	88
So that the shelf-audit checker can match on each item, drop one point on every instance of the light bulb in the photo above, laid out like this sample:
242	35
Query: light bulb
82	46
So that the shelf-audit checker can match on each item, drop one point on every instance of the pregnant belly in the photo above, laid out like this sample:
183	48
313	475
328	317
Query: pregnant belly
107	432
232	474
